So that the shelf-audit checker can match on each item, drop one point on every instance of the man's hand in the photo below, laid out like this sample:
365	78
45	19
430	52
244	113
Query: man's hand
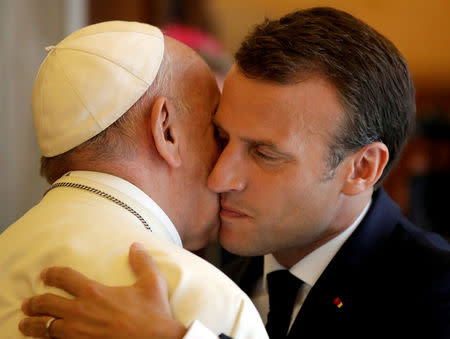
138	311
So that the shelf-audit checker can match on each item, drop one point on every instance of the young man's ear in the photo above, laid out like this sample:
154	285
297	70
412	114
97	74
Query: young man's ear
164	134
365	167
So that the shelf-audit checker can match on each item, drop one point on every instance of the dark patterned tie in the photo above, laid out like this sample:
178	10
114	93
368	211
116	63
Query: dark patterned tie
283	288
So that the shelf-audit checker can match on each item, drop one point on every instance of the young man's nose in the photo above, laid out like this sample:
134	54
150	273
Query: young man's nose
227	174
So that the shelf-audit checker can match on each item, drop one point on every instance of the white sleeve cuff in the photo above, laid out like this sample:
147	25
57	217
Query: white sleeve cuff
199	331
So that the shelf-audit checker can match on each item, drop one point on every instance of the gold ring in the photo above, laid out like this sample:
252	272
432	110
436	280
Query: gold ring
47	326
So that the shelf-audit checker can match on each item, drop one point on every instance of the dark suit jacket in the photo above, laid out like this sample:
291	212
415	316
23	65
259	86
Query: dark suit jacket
392	278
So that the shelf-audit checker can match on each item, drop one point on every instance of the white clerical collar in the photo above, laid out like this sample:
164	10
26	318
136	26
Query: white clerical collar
311	267
134	192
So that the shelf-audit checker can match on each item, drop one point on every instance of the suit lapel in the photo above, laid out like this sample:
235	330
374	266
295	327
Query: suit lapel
346	277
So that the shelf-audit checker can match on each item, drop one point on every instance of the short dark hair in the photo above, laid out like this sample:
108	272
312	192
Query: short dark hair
370	75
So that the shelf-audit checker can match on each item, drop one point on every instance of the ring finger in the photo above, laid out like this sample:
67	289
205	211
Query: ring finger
36	327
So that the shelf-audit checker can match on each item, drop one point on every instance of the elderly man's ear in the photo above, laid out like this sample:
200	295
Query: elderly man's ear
165	132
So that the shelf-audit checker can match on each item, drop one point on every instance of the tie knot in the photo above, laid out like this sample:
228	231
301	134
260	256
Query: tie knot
283	280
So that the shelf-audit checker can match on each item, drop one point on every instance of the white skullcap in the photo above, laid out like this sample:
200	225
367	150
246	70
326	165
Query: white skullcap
90	79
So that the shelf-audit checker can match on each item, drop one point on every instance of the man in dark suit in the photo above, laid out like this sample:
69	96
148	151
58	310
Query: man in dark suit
389	280
314	114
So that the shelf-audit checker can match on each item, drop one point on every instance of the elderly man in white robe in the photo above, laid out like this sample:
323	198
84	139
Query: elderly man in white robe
123	120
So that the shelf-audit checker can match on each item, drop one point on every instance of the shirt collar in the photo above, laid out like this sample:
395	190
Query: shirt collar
134	192
311	267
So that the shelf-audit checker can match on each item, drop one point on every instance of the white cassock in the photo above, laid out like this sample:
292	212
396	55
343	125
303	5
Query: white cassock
75	227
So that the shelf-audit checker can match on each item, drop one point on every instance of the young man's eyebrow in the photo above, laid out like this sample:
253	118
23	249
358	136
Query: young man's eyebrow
261	142
256	142
253	143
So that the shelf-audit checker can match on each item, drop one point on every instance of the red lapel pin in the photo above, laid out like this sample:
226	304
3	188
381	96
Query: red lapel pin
338	302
